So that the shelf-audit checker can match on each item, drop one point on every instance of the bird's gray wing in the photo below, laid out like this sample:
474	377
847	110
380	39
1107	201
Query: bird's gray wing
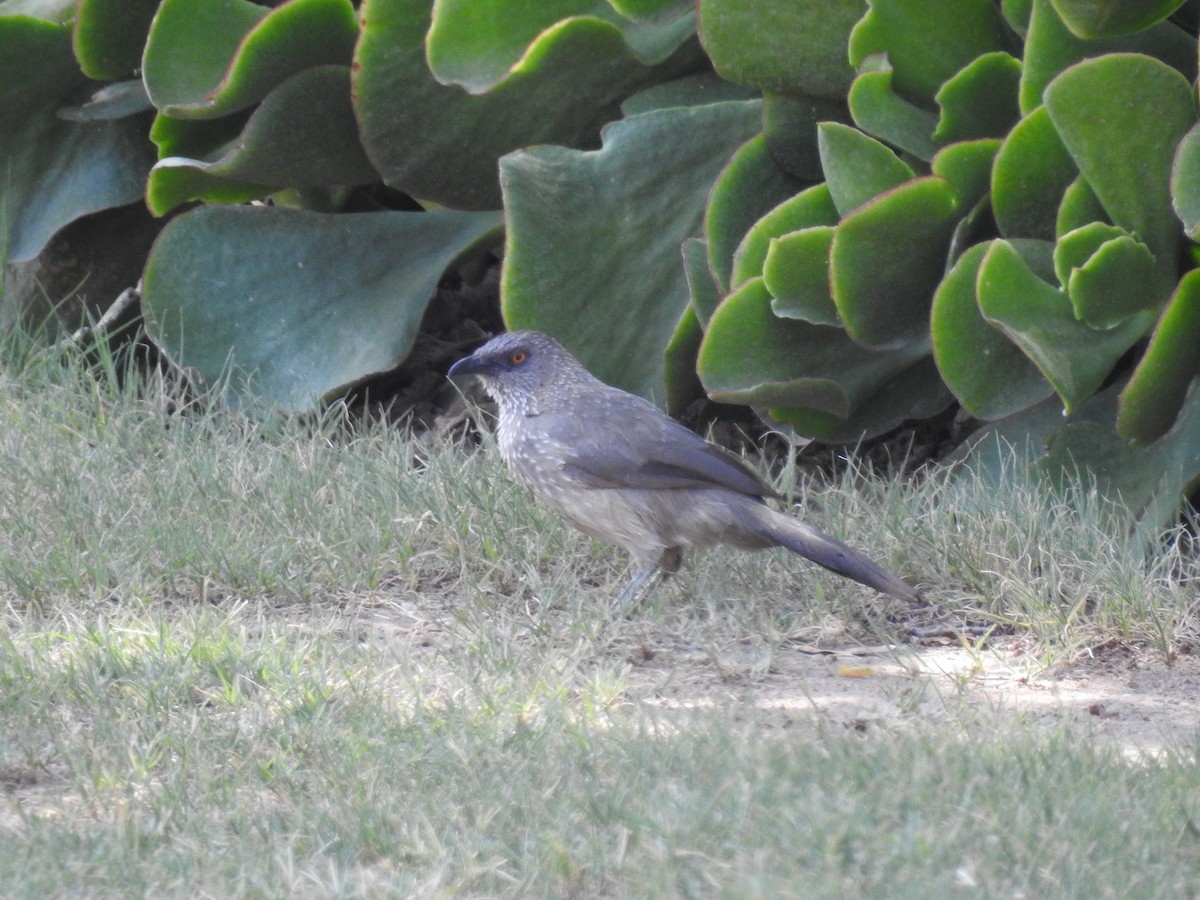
637	446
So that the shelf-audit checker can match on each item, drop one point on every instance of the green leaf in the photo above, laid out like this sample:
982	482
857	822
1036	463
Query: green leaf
679	364
109	36
55	170
798	47
1031	172
570	82
1150	481
591	258
302	135
878	110
913	393
1076	247
926	42
654	10
476	43
690	90
1185	182
1080	206
857	168
1039	319
701	286
794	363
748	187
1017	13
113	101
1050	48
289	305
797	275
980	101
809	207
1151	401
209	58
1108	18
887	259
990	376
1109	285
968	167
1121	117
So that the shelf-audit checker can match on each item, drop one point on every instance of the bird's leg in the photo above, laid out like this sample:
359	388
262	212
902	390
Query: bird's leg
644	581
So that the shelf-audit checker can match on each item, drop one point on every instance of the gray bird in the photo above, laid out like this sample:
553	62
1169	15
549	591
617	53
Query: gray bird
620	470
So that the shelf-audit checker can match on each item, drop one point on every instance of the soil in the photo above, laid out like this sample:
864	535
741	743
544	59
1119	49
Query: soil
1127	697
1131	697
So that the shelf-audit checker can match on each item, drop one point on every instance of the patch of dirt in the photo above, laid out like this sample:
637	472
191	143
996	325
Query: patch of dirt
1129	697
1124	695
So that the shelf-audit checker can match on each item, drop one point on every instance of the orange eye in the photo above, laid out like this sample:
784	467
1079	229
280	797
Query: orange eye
517	357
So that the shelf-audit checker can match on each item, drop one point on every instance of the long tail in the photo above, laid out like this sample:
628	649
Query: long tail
813	544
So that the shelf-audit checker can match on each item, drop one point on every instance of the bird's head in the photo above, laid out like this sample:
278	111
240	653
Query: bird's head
519	364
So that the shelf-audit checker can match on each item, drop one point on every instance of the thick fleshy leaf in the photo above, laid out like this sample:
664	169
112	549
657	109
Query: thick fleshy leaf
1031	172
701	286
1113	283
209	58
857	168
591	258
654	10
990	376
887	259
1150	481
696	89
1039	319
1108	18
1050	48
790	126
798	47
109	36
879	111
749	186
914	393
302	135
1080	206
569	83
679	364
290	306
1185	182
926	42
1121	117
1075	247
980	101
1156	391
794	363
1017	14
810	207
476	43
967	165
197	138
56	170
113	101
796	273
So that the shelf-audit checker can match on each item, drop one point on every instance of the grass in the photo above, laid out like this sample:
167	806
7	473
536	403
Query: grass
324	659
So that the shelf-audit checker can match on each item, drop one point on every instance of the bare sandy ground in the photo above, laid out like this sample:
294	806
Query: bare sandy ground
1124	695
